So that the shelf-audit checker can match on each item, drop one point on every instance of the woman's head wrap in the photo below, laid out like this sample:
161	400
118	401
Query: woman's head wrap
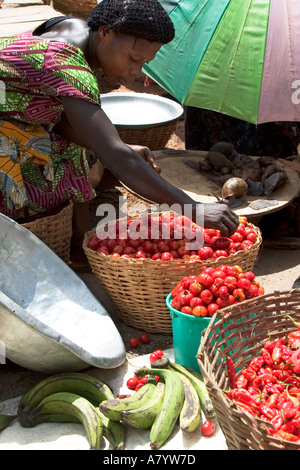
145	19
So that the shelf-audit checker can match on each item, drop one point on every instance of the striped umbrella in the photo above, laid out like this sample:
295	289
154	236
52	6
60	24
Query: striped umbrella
236	57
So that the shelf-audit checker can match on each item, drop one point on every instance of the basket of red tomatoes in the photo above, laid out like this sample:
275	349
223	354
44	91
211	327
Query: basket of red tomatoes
249	356
139	260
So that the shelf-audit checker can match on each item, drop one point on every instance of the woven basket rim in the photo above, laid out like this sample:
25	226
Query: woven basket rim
249	250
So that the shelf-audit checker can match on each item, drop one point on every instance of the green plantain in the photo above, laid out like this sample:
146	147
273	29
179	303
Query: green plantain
113	408
171	406
66	403
92	388
197	381
144	416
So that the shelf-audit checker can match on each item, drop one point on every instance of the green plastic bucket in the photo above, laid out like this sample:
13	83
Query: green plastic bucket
186	335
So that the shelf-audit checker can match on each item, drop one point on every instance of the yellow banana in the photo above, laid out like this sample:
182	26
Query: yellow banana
112	408
144	416
190	415
77	407
92	388
171	406
197	381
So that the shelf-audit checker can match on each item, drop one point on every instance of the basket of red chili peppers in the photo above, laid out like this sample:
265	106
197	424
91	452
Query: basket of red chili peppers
250	360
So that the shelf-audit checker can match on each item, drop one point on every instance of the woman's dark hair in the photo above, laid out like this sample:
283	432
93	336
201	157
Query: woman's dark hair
145	19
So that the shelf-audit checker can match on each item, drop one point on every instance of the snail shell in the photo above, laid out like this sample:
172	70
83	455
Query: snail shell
236	187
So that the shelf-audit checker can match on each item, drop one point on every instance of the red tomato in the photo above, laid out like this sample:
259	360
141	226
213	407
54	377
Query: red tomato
243	283
145	338
134	342
166	256
94	242
185	297
153	357
208	428
195	301
173	245
224	293
252	237
196	288
148	246
132	383
187	310
209	270
200	311
103	249
219	253
176	303
206	296
212	308
218	273
159	353
230	282
239	295
237	237
156	256
205	252
205	279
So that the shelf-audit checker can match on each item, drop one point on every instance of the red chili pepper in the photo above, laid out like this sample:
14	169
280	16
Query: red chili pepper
294	391
286	436
294	343
296	422
253	390
241	381
257	363
289	427
244	407
269	346
285	352
261	380
244	396
231	372
277	422
250	374
281	375
268	412
270	389
267	357
288	410
276	354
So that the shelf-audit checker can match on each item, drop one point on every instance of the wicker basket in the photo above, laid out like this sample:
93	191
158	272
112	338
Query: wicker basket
55	231
241	334
154	137
138	287
79	8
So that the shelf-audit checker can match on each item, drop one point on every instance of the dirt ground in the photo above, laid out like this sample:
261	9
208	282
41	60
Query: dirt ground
276	269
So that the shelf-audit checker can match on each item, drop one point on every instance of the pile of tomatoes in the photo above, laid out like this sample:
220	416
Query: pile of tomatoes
269	387
174	236
214	288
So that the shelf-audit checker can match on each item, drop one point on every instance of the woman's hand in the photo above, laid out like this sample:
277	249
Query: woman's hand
221	217
147	155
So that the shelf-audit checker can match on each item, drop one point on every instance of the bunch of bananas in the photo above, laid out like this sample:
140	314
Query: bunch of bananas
72	397
179	395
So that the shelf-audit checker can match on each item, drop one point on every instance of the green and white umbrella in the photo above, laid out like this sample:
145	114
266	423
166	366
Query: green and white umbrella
236	57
